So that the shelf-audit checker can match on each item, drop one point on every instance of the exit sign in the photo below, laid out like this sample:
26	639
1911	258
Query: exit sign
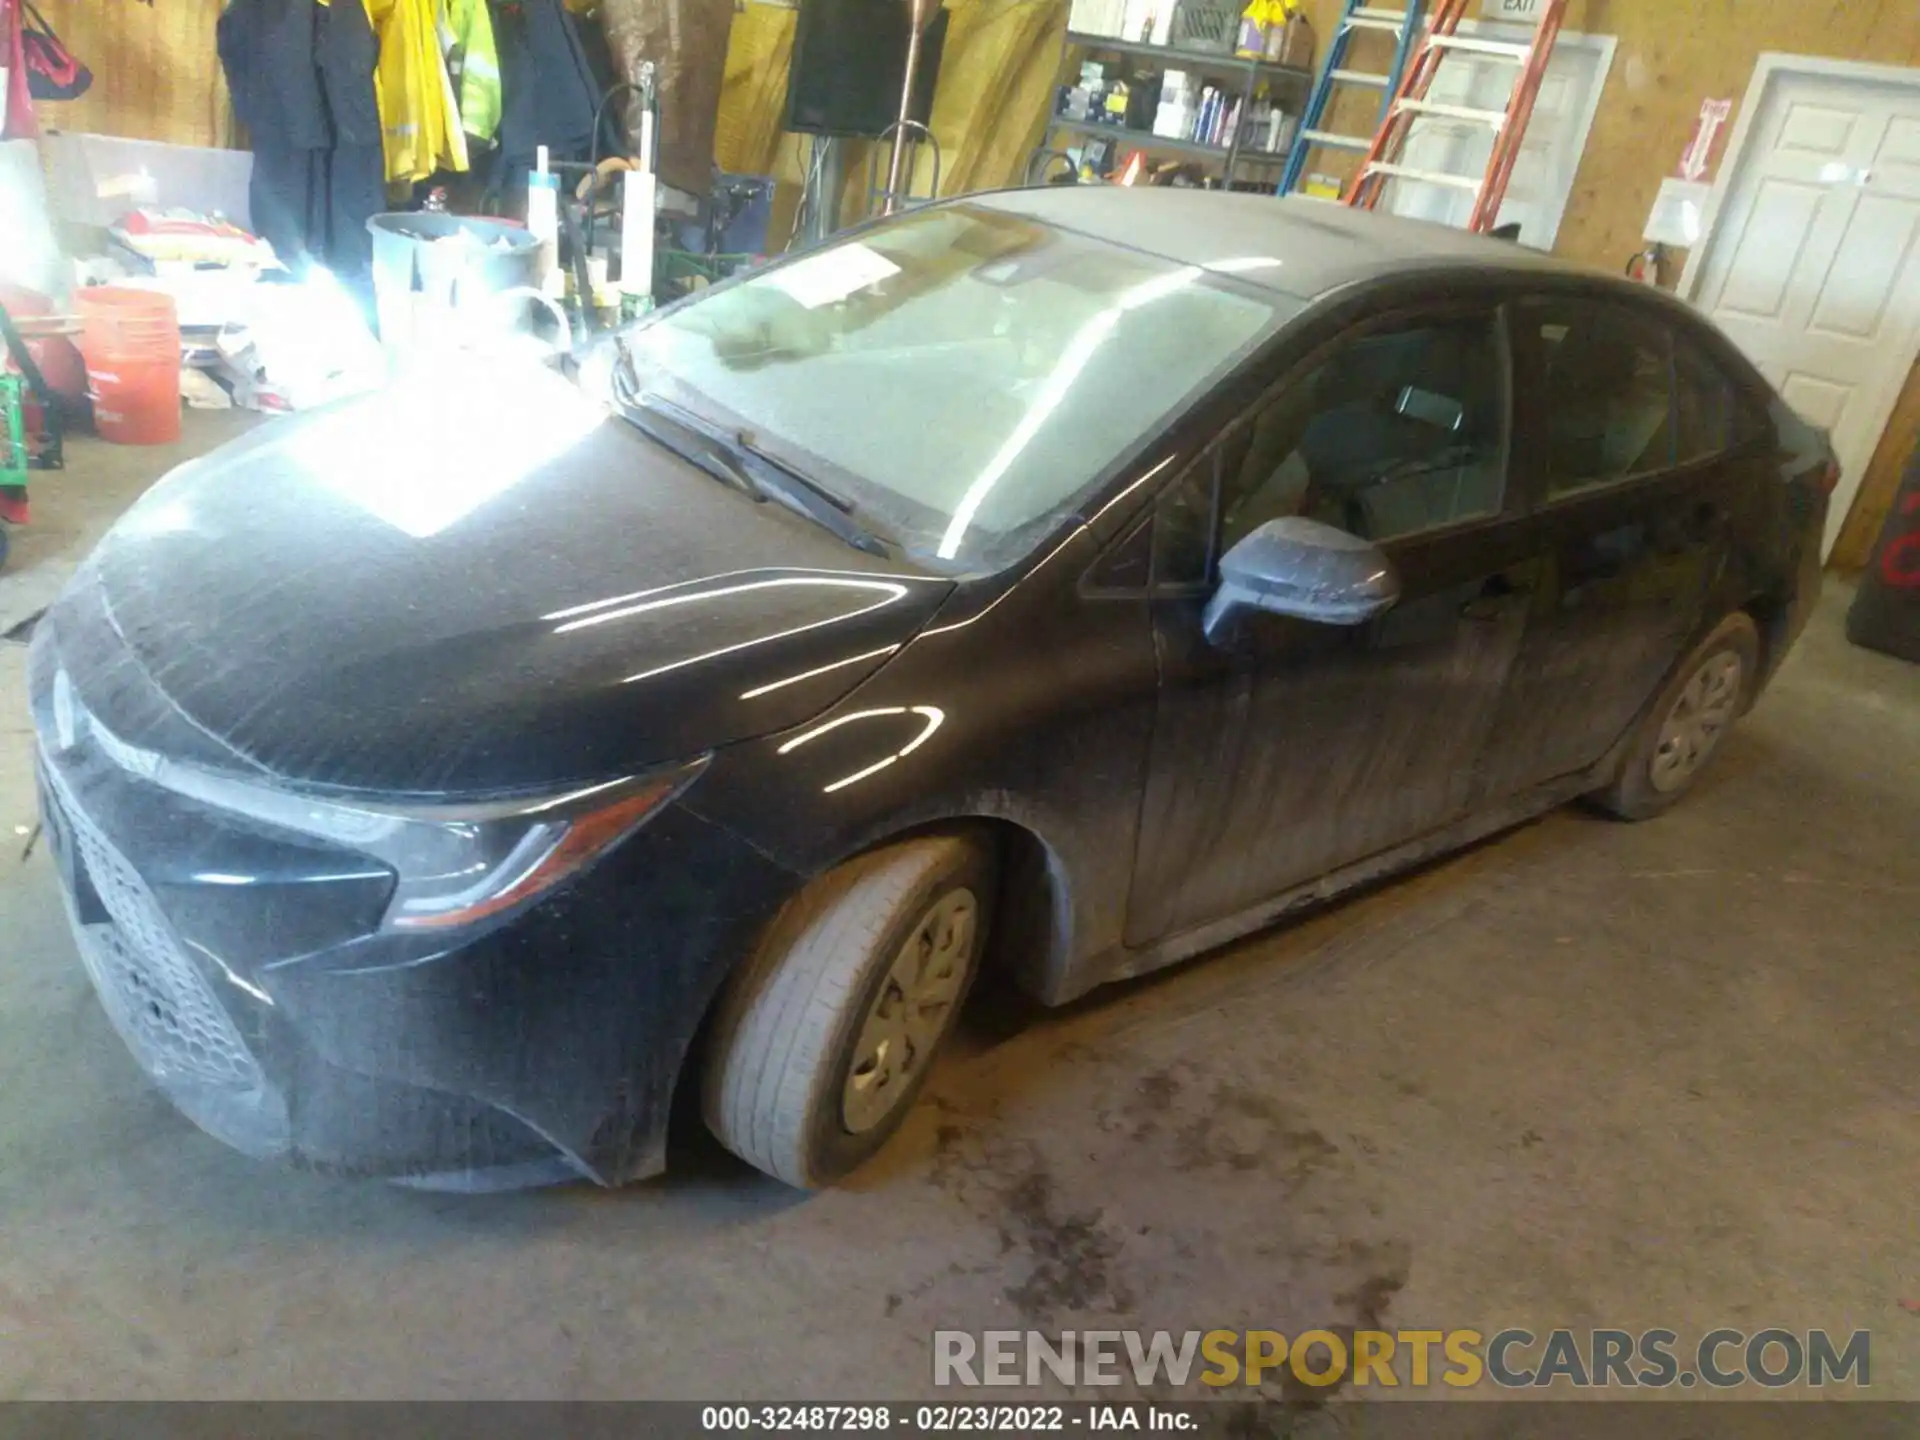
1526	12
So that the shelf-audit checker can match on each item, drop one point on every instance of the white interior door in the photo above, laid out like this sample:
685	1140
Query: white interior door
1556	137
1812	264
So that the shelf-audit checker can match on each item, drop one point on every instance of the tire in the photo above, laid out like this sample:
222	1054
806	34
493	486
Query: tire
803	1014
1653	779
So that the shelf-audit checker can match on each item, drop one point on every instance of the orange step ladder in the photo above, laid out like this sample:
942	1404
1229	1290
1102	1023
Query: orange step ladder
1383	161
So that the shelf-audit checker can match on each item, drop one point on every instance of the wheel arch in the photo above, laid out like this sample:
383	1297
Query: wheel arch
1034	927
1031	941
1772	615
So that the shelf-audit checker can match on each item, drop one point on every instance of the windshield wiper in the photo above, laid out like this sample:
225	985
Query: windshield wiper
750	446
690	440
801	492
738	458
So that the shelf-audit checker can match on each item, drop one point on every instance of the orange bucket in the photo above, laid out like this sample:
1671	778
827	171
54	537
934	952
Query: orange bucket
131	342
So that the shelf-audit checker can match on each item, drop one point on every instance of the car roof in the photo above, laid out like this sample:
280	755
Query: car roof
1320	246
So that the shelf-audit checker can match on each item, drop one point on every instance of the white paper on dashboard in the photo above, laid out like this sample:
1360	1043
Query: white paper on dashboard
832	275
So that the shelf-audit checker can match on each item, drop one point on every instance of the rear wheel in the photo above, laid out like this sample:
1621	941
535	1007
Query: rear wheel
1686	725
826	1035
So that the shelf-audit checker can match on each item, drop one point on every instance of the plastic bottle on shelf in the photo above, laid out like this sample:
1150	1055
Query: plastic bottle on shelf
1283	128
1289	37
1252	41
1254	124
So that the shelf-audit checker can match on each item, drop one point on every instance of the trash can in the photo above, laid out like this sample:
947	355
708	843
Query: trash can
1886	609
429	268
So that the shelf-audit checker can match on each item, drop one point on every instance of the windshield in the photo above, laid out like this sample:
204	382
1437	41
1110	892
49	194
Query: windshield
962	376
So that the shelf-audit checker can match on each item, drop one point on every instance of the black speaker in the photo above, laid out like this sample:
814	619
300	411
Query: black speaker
849	60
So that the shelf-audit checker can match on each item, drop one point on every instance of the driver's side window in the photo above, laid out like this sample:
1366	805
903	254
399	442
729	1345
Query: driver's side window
1394	432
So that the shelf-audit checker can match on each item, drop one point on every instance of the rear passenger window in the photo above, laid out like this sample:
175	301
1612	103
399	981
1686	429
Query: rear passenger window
1705	419
1605	393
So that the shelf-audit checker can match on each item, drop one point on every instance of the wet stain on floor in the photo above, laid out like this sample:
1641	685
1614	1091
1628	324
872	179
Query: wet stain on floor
1244	1130
1074	1236
1072	1254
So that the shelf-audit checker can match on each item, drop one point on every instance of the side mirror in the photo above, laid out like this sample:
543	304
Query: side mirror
1306	570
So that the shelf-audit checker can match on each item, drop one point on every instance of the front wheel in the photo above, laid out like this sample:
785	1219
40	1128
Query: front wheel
826	1035
1686	724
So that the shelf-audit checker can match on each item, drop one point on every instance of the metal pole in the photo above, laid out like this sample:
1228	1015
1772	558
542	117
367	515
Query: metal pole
824	218
896	170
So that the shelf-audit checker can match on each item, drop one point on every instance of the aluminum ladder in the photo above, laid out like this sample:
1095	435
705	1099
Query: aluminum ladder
1336	74
1410	103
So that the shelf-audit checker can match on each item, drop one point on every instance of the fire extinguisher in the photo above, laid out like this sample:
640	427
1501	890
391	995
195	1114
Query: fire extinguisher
1646	265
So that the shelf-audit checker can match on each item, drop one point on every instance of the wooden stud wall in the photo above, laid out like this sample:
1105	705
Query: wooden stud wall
155	73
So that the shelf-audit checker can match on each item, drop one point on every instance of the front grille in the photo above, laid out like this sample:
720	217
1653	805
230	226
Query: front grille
157	998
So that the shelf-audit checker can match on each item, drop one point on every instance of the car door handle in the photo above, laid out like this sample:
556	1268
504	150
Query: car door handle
1495	599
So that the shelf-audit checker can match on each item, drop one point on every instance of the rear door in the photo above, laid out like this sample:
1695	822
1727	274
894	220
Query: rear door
1622	435
1813	267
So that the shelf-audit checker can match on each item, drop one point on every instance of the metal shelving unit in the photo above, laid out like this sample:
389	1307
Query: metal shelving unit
1147	140
1279	78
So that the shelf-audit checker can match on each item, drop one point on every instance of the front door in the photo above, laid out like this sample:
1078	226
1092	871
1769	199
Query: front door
1294	748
1623	443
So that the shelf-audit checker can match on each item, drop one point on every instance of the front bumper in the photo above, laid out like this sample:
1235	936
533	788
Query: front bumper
245	970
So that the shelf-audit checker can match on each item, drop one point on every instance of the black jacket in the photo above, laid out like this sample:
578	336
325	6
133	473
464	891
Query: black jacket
548	91
267	50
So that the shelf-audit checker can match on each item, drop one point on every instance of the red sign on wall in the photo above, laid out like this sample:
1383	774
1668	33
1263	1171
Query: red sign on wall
1698	156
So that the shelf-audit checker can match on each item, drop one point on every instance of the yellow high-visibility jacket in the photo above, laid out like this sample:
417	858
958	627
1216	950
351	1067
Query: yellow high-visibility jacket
419	122
479	96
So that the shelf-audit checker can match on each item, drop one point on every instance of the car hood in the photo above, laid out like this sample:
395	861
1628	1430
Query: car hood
483	582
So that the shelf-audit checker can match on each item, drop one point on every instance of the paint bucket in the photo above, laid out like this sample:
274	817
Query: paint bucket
429	268
131	342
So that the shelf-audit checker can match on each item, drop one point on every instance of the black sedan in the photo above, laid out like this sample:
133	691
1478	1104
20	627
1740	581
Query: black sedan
1061	581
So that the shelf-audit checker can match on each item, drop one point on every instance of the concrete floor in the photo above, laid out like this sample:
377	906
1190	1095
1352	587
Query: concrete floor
1586	1075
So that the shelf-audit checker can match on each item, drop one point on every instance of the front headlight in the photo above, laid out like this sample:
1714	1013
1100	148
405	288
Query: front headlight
456	863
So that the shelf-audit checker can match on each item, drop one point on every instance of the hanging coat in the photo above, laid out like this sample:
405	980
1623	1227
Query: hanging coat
419	123
266	48
549	91
347	54
302	78
479	90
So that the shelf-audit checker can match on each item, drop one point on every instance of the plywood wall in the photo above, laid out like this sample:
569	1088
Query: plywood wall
1675	53
997	76
155	73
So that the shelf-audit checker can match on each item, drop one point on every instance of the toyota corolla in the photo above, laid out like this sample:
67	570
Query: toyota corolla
1060	581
